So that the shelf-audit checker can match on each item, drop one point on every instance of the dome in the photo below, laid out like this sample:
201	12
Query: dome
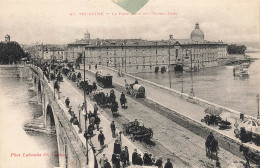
7	35
197	34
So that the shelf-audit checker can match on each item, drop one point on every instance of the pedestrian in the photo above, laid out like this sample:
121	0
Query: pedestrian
97	122
127	154
90	130
92	120
124	157
107	164
159	162
113	129
146	158
115	160
245	151
168	164
117	147
139	160
95	109
150	159
70	111
67	101
102	160
101	138
83	106
89	115
134	157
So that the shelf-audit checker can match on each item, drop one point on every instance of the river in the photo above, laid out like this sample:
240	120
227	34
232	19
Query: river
217	85
15	112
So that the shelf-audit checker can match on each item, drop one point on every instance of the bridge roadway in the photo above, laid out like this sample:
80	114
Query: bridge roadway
172	140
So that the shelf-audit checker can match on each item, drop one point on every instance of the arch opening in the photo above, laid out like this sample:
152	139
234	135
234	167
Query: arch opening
50	122
39	86
178	68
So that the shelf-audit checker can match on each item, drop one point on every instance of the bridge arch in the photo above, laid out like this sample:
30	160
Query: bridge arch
178	68
49	119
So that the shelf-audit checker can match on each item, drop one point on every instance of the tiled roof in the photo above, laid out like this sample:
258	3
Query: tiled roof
137	42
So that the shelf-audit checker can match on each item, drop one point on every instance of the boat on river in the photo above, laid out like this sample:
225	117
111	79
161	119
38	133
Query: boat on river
241	71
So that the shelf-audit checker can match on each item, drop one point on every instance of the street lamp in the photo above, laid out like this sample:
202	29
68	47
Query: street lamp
125	54
80	130
86	135
182	82
170	61
191	91
257	100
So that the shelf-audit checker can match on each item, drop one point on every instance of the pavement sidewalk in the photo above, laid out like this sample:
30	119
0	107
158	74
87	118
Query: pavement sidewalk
76	99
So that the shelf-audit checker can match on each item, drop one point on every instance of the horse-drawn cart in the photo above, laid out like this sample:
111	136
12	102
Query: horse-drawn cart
137	132
136	90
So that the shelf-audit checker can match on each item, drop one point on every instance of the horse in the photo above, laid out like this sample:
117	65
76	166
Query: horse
211	147
123	101
208	145
214	148
114	108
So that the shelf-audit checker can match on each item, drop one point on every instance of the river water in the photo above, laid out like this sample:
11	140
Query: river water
15	112
217	85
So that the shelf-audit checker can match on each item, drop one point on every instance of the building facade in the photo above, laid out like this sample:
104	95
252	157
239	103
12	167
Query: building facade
52	52
138	55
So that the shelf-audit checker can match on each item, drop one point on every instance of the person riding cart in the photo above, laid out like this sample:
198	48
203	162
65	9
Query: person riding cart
123	100
114	108
112	96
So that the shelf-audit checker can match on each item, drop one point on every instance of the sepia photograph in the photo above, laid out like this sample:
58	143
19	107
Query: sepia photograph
129	84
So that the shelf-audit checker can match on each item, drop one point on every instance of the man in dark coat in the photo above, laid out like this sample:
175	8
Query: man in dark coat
115	160
146	158
159	162
134	157
168	164
113	129
101	138
117	147
139	160
67	101
107	164
97	122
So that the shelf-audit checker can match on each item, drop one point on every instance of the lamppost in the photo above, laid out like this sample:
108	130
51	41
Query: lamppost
191	91
182	82
125	54
169	61
85	103
79	109
86	135
257	100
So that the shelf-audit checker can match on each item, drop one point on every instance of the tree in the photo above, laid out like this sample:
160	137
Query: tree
234	49
78	61
10	53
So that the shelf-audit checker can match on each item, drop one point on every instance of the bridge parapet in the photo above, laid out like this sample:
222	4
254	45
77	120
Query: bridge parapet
67	137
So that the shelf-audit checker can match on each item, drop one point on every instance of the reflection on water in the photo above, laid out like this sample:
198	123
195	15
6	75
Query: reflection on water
217	85
15	112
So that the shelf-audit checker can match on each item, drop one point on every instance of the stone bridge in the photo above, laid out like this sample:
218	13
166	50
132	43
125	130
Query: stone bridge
71	147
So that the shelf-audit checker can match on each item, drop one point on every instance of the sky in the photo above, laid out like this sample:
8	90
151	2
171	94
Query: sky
60	22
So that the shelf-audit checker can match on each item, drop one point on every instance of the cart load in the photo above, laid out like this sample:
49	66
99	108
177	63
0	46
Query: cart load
138	132
136	90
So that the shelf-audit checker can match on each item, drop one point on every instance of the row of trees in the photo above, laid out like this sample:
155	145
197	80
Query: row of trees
236	49
11	52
